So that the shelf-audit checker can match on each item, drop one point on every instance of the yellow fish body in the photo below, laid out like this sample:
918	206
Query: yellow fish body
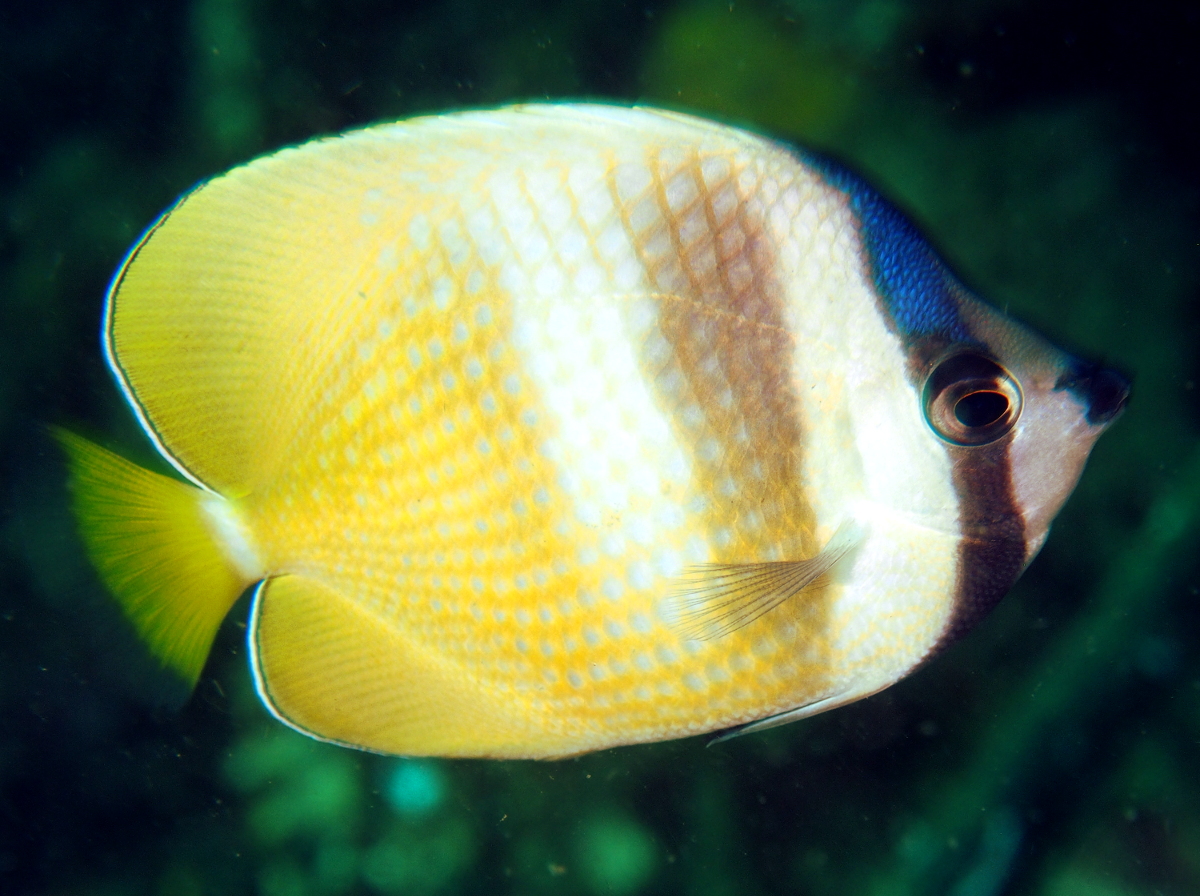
553	428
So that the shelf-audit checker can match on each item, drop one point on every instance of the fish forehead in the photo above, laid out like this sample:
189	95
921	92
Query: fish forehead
562	381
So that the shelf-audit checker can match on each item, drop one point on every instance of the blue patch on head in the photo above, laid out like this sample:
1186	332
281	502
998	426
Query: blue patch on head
913	284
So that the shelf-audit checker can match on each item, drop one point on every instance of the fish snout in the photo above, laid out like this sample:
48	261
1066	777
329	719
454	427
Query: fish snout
1102	390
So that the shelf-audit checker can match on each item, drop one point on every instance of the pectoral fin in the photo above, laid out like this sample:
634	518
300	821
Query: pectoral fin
717	599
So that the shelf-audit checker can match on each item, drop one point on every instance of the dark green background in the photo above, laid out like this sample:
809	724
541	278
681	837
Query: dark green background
1047	148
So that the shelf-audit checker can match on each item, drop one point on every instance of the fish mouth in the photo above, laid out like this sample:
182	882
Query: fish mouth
1103	390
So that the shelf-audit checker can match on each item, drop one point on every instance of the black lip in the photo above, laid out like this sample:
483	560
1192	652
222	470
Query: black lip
1104	390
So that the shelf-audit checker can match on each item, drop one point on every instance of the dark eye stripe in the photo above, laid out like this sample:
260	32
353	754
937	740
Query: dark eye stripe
920	295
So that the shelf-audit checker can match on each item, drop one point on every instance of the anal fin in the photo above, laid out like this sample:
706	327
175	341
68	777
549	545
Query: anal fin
332	669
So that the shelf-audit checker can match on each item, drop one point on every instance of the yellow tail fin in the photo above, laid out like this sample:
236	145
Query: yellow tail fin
155	547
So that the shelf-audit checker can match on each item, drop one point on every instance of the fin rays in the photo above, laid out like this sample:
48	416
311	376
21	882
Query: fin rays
717	599
148	537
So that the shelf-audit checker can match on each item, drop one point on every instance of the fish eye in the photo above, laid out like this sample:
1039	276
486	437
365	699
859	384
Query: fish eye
971	400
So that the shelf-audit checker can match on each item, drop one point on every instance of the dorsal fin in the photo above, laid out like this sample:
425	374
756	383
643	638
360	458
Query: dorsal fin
225	323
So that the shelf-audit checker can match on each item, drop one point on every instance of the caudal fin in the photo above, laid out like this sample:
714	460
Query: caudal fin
154	546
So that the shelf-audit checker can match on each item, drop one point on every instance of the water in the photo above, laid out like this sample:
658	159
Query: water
1046	148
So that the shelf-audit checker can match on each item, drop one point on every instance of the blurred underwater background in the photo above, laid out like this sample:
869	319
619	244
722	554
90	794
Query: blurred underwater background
1049	150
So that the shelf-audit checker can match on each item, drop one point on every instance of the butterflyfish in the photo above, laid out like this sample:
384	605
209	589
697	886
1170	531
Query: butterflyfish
546	429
